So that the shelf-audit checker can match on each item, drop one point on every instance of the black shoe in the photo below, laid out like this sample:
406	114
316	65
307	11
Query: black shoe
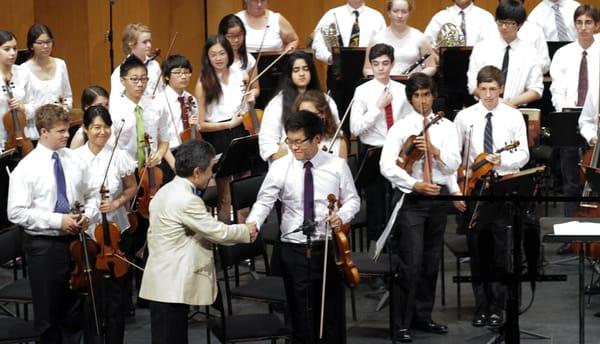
597	315
564	249
480	321
403	335
377	284
430	326
495	320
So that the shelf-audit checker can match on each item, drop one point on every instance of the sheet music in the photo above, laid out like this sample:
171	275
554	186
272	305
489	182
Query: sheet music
388	229
577	228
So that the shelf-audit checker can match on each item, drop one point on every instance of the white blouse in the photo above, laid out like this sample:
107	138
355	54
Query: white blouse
120	167
254	37
249	65
229	103
409	47
49	91
22	89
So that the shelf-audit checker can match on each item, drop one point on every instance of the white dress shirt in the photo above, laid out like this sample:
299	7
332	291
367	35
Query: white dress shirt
565	73
367	121
479	23
408	49
269	36
48	91
508	125
543	16
285	181
120	166
272	132
117	88
229	104
22	89
168	103
534	35
588	119
369	21
442	135
249	65
32	191
155	124
524	73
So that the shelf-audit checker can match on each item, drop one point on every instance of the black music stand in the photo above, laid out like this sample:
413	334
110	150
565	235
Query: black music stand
514	185
368	170
342	88
454	64
564	129
7	160
241	155
593	177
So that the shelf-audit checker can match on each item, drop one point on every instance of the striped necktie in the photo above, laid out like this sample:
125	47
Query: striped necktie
62	202
463	24
561	27
488	139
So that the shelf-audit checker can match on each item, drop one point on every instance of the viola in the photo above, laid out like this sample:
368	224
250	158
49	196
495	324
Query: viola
108	236
150	180
193	132
14	123
481	167
343	252
252	119
409	153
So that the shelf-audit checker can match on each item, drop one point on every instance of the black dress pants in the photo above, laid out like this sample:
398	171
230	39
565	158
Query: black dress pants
418	242
169	322
304	292
57	309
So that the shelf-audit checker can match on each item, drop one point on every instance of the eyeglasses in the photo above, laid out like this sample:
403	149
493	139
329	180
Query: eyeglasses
180	73
296	143
232	36
221	53
507	23
135	80
46	43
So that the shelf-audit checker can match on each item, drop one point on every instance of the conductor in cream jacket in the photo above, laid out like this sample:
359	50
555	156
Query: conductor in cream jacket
180	270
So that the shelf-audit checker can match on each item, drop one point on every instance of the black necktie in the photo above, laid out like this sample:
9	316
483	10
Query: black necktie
309	194
505	62
488	139
355	33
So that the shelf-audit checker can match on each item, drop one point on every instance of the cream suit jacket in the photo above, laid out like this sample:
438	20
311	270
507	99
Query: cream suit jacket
180	267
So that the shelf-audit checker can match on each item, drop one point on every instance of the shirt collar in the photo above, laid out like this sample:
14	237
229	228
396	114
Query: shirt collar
466	10
47	152
352	9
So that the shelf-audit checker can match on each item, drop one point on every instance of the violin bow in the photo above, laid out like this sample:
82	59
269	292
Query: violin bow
339	128
466	160
331	199
270	65
427	173
168	53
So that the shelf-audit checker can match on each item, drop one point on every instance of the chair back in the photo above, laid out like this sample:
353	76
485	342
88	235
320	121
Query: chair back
231	255
11	244
244	192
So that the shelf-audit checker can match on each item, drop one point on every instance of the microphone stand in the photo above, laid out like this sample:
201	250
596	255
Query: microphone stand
308	229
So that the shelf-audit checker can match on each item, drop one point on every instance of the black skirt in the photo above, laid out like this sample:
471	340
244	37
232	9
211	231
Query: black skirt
222	138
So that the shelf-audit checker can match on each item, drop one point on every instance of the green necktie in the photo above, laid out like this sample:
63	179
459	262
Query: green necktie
139	129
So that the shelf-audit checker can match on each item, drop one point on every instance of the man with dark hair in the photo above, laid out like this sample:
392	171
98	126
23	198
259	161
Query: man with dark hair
420	224
40	201
574	72
512	55
180	270
378	104
489	125
302	181
176	104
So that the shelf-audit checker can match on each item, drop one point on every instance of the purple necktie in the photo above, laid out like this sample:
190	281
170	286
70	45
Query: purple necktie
62	202
309	194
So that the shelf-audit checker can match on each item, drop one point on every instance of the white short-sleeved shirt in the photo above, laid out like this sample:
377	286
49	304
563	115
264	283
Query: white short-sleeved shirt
271	33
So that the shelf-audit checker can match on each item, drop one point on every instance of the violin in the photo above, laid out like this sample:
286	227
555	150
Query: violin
108	236
193	132
150	181
481	167
152	56
252	117
343	252
14	123
409	154
84	274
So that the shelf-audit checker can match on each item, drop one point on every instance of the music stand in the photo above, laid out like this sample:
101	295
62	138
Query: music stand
593	178
564	129
241	155
454	64
514	185
368	172
6	160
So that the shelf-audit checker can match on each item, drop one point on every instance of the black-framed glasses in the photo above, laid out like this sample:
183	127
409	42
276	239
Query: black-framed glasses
296	143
